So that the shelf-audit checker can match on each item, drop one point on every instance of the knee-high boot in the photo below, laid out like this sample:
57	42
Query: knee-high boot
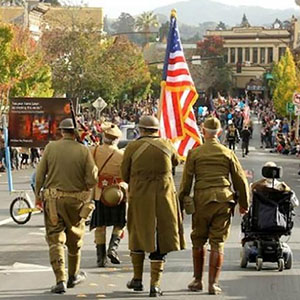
137	259
157	267
199	263
112	249
215	265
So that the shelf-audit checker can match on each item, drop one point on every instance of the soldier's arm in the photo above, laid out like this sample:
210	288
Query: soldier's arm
91	170
175	157
41	172
187	178
126	164
239	181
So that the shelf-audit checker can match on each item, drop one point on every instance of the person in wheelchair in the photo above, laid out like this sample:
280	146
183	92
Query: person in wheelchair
270	217
269	181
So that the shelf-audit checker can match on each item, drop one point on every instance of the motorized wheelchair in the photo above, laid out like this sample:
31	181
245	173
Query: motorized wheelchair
269	218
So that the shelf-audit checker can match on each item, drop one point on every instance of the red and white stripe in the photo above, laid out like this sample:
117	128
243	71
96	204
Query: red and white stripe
178	95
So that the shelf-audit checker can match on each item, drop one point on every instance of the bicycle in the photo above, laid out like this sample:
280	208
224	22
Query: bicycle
21	208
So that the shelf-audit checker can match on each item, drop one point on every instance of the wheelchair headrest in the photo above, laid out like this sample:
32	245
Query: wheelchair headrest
272	172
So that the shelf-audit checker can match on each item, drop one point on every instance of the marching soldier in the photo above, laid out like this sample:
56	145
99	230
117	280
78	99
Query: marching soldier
110	200
66	173
245	136
154	217
233	135
211	165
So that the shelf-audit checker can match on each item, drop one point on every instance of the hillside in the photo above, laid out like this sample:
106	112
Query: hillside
194	12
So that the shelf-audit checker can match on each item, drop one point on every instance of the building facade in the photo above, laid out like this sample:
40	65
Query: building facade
38	16
251	51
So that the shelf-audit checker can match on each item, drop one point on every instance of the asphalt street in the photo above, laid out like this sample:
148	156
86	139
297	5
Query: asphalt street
25	271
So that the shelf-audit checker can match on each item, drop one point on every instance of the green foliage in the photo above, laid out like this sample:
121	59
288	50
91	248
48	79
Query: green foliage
156	78
22	68
284	82
86	65
215	75
147	22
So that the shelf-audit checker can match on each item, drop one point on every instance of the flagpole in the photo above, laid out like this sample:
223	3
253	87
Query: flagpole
164	77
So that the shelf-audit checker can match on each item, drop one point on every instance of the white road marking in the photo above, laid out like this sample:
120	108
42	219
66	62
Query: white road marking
24	268
36	233
6	221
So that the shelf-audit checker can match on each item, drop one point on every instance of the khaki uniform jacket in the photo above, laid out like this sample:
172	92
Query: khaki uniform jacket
211	165
66	166
153	205
112	168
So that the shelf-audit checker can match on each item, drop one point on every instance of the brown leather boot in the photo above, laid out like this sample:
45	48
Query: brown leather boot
198	262
215	265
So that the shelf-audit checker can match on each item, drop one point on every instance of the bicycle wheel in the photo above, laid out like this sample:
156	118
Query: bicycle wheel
16	214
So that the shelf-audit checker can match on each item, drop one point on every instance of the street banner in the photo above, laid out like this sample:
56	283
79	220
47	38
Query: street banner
33	122
178	95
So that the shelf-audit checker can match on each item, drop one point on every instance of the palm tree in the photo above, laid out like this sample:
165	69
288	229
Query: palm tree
145	22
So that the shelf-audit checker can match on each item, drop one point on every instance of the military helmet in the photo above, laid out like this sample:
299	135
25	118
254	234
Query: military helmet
212	123
112	195
149	122
66	124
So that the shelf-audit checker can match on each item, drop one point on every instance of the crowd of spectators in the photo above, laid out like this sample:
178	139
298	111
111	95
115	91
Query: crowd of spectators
277	134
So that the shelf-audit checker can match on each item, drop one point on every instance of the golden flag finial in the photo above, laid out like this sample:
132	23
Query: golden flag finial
173	13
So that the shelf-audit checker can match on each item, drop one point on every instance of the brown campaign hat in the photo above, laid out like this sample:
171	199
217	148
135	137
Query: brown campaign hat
212	123
112	130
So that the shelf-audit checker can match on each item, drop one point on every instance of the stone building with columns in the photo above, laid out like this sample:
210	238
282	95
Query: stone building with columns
251	51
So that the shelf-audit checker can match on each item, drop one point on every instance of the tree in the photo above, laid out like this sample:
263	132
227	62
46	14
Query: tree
221	26
284	82
215	75
86	64
23	71
145	23
125	23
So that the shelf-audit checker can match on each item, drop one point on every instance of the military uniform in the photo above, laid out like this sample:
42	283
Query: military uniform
211	166
111	158
154	218
66	173
232	136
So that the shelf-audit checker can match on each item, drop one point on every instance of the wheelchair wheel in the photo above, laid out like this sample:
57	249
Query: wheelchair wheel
244	259
280	264
16	206
259	263
289	261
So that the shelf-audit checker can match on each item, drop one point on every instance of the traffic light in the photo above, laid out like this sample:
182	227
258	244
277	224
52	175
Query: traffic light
239	67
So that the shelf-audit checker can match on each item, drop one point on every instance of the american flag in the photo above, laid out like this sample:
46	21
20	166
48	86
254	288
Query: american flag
178	95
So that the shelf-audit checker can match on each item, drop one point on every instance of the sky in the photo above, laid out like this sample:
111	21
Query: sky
113	8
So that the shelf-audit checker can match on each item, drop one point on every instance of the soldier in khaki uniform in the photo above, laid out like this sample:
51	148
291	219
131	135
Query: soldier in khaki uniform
154	217
66	174
211	165
108	159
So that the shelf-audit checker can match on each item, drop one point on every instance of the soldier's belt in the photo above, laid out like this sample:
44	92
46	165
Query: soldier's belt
56	194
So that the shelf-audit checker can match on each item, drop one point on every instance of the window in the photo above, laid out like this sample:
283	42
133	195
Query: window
262	55
247	54
226	56
281	51
255	55
232	55
240	55
270	55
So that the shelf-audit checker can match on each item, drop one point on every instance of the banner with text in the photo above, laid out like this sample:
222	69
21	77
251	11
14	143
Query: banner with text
33	122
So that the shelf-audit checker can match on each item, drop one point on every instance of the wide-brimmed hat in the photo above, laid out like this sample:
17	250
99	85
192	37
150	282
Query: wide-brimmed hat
111	130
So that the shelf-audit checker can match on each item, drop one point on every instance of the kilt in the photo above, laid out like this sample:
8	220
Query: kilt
108	216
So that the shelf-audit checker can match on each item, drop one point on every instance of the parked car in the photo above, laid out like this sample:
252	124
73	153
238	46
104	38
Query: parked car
129	133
